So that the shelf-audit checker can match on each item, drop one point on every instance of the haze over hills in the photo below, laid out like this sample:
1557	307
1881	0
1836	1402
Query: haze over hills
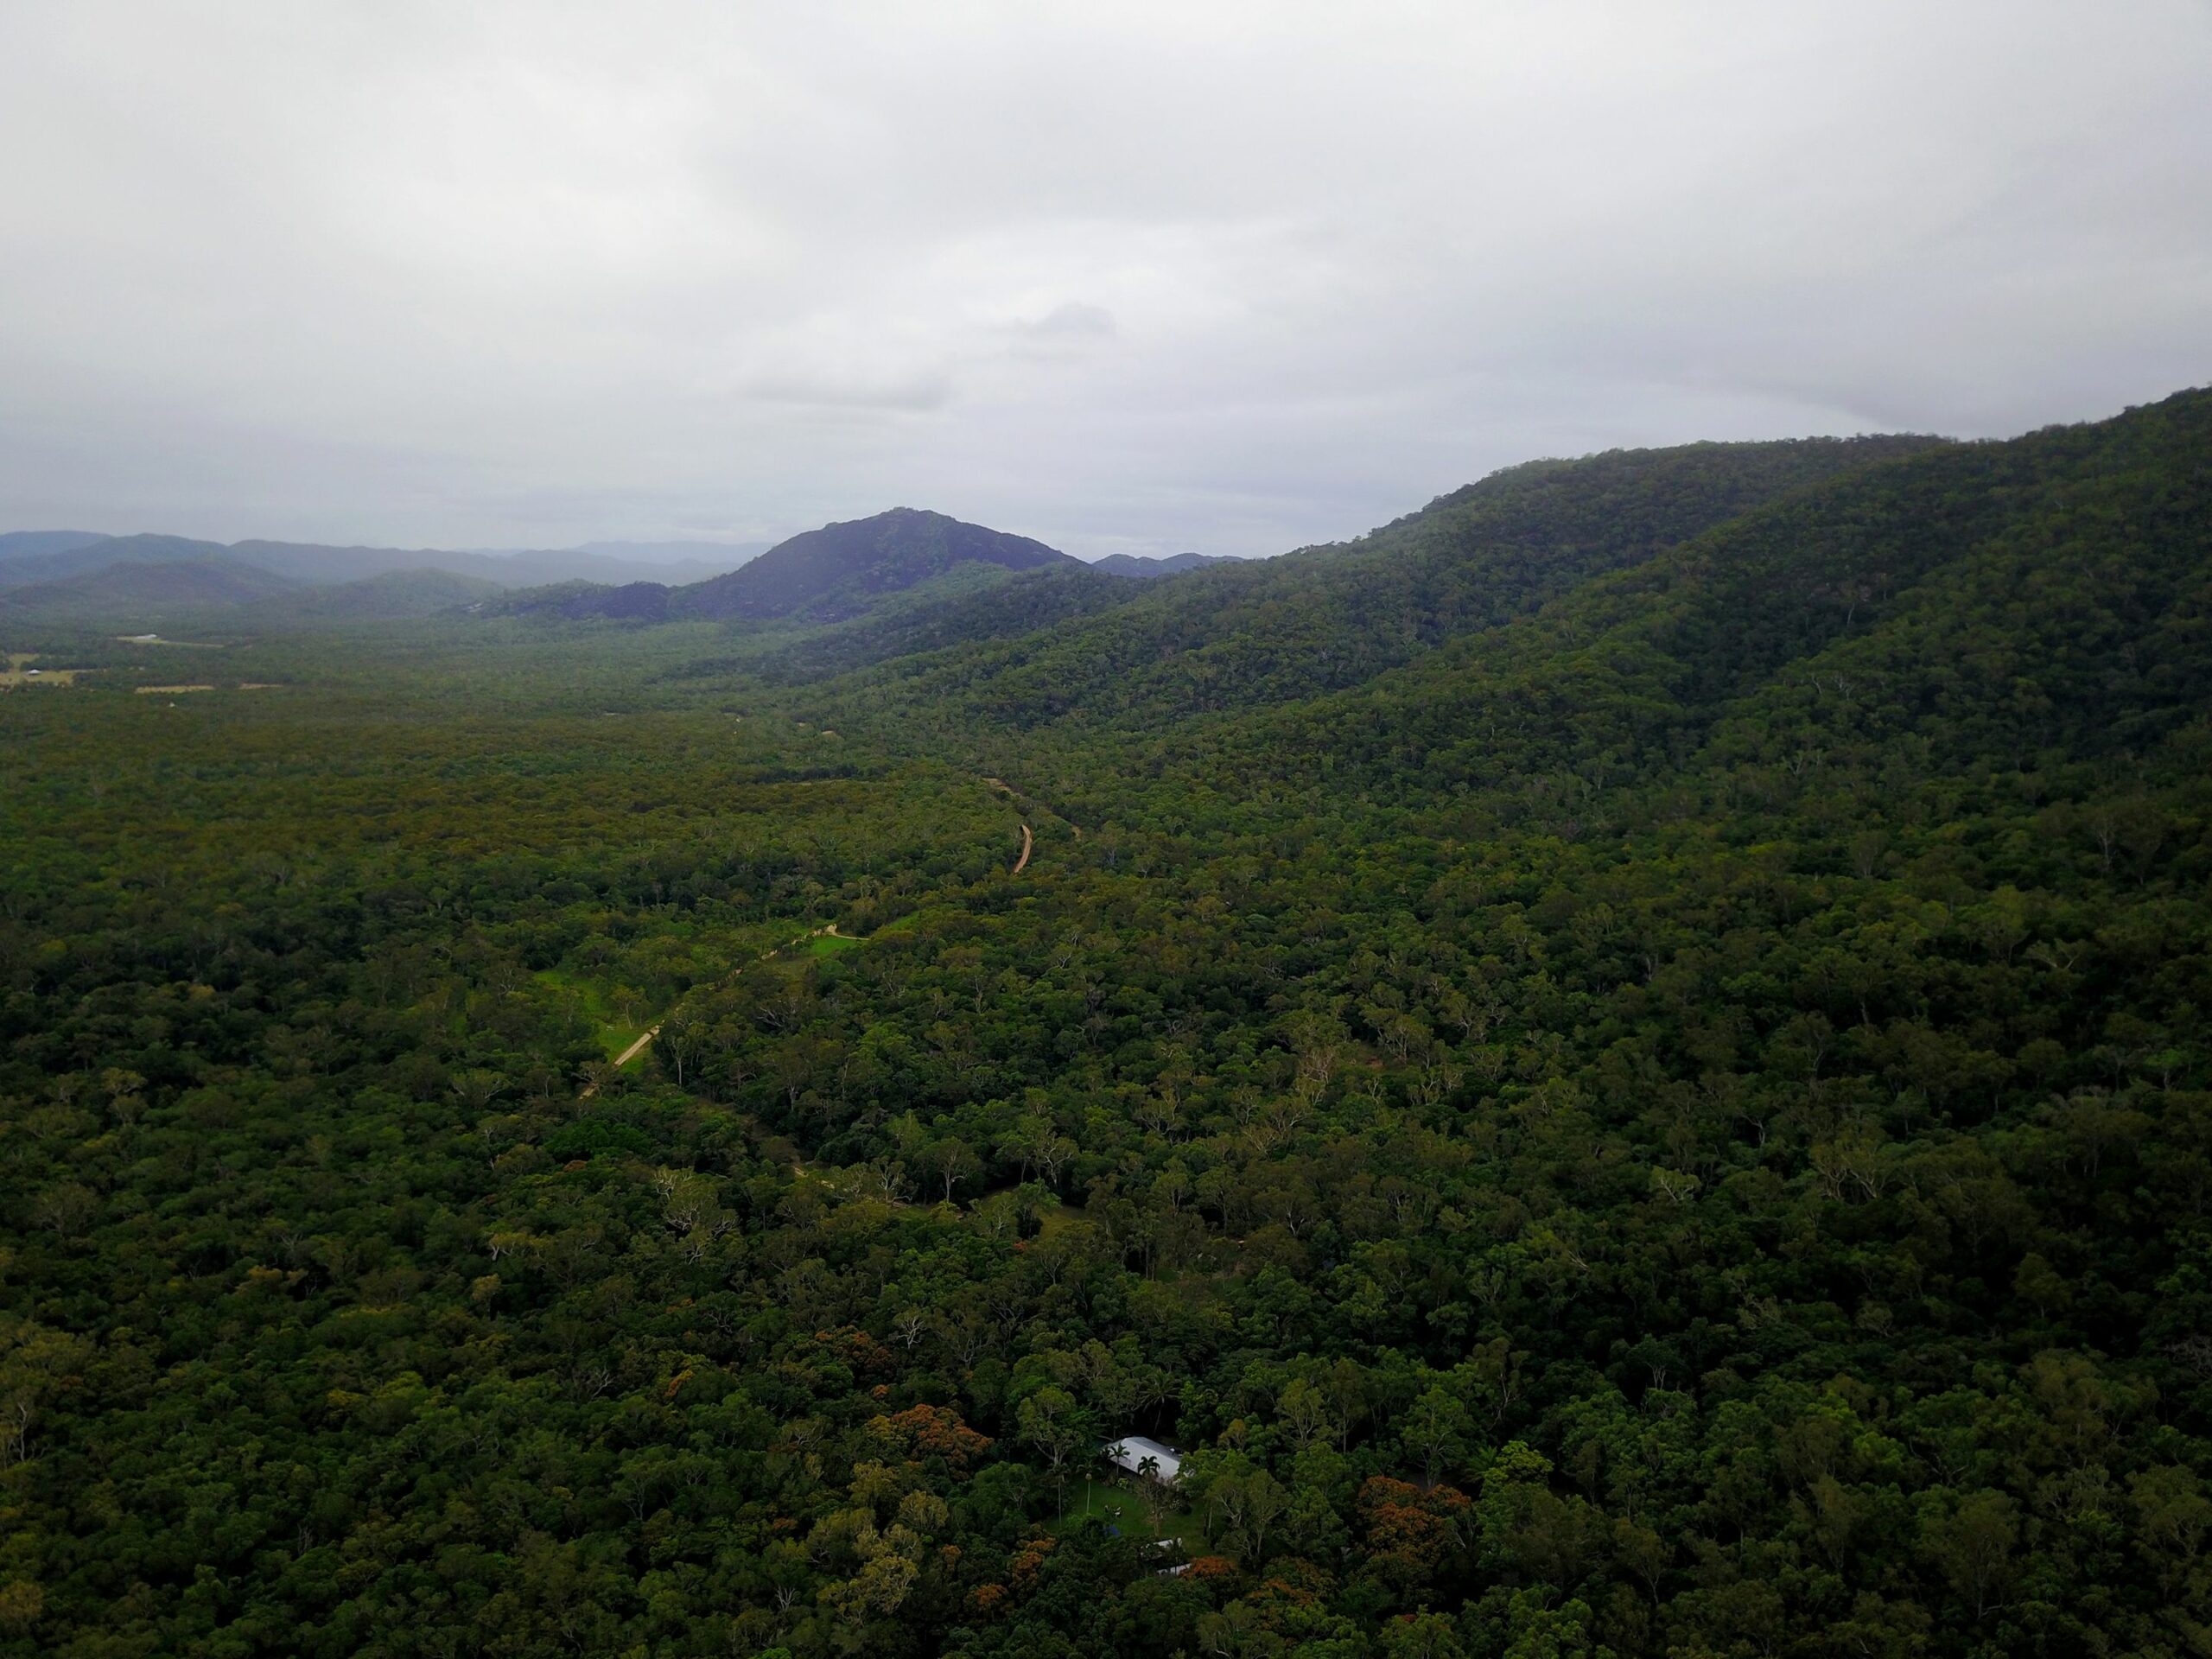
38	543
149	579
683	555
231	594
127	586
29	556
1171	564
822	575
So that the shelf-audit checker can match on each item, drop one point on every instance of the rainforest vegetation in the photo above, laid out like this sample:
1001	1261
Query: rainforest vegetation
1620	1064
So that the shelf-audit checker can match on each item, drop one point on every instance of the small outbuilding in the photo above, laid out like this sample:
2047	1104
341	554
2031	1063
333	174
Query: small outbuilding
1139	1456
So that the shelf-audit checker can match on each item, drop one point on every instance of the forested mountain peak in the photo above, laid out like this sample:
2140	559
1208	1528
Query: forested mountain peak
839	569
835	574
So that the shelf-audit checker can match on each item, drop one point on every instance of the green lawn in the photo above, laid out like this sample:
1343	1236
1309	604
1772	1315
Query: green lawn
1118	1506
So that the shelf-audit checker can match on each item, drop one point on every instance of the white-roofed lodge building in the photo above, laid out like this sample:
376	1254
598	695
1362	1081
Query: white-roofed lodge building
1139	1456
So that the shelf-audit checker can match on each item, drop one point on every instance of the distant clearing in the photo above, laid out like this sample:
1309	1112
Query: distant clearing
17	671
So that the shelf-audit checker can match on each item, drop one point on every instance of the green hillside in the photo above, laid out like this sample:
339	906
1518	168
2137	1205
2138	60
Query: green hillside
1231	636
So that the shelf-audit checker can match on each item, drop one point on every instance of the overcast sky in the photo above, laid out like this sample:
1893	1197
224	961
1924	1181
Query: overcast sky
1123	276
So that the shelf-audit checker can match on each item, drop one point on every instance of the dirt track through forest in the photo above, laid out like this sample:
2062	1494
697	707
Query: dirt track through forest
1008	789
1028	842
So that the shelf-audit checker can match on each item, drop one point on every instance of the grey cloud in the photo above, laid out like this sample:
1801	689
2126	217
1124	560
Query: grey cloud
1073	321
913	393
1140	277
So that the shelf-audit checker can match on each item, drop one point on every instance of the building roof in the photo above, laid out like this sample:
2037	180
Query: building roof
1130	1453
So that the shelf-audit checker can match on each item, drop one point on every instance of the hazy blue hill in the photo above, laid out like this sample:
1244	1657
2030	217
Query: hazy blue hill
311	562
29	556
37	544
842	568
1172	564
692	561
66	564
832	575
133	590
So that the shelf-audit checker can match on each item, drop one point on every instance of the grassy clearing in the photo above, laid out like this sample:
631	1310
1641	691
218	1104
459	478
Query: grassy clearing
832	945
595	1001
1060	1218
1119	1507
15	670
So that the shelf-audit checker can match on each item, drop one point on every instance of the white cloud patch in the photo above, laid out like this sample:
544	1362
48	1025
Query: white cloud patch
1074	323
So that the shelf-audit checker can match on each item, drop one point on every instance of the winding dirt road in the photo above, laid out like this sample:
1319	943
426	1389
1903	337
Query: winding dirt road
1028	842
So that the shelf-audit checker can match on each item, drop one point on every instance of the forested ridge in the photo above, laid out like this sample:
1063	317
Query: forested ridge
1619	1065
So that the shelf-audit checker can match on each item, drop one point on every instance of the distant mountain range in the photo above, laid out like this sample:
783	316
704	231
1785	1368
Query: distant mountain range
72	576
1172	564
845	570
152	594
835	574
38	556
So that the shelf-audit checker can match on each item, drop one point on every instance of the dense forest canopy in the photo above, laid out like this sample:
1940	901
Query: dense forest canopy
1619	1065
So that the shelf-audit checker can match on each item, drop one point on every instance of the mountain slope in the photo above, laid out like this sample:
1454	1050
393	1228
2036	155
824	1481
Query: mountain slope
2067	568
973	603
1249	634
